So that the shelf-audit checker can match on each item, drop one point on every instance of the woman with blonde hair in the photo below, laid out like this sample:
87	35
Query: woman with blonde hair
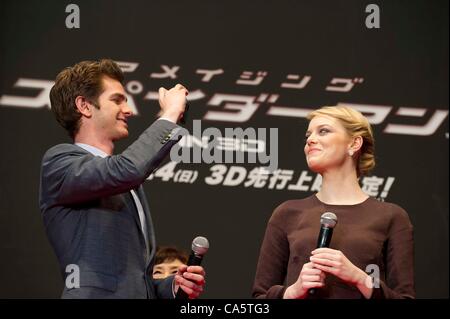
370	235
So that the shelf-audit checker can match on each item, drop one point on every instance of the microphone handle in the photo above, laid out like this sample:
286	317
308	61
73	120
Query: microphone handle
185	114
194	260
323	241
324	237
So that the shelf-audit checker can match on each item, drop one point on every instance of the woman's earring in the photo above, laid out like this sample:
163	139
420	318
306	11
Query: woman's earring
350	152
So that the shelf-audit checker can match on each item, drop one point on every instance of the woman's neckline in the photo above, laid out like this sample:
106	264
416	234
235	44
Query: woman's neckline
342	205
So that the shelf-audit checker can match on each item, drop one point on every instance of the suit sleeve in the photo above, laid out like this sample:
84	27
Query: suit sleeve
70	176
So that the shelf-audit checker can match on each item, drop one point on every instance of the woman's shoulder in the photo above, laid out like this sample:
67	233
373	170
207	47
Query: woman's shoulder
396	213
388	207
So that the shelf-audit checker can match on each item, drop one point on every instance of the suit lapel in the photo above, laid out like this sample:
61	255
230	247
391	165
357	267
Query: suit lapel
134	211
148	218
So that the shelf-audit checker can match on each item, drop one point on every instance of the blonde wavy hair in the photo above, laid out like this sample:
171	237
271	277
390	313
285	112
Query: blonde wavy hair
355	124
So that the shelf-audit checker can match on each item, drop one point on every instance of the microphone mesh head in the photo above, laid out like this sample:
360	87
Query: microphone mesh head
200	245
328	219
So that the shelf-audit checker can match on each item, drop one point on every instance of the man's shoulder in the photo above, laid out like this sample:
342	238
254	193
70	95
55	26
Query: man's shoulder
65	148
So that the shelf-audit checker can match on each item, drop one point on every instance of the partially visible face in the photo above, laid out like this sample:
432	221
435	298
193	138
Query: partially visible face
111	119
327	144
166	269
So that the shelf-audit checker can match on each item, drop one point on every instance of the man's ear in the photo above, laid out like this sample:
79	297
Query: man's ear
83	106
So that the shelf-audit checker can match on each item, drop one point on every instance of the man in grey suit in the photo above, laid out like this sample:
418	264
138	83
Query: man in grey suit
93	205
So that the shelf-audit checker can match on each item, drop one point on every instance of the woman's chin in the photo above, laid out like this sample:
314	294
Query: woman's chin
315	167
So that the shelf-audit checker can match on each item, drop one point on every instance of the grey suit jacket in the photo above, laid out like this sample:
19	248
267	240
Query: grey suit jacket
91	219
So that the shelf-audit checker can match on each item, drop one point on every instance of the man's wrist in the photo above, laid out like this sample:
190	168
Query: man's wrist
170	116
166	119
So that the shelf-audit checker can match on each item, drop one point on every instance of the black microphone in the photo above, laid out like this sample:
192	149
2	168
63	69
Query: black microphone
327	223
185	114
200	246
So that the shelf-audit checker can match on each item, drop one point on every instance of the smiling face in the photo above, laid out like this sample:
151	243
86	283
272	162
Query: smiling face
111	117
327	144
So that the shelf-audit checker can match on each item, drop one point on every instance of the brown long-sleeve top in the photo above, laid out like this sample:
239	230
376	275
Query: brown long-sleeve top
368	233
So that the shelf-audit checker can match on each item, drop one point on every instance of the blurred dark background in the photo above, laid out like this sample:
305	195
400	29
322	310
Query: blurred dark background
403	64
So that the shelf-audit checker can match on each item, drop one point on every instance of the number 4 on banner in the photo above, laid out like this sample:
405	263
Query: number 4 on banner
166	172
